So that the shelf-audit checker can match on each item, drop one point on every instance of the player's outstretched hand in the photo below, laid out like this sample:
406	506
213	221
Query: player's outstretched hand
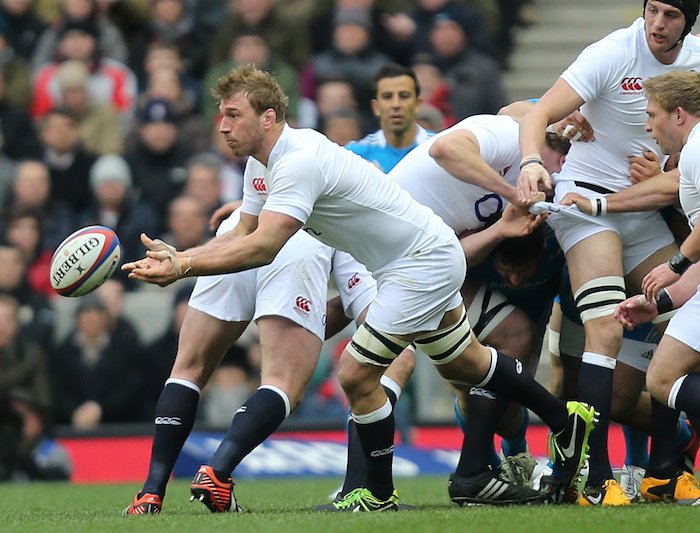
634	311
660	277
161	266
574	198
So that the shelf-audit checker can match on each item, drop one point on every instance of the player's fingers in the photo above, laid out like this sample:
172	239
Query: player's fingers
650	156
146	240
160	255
539	196
547	182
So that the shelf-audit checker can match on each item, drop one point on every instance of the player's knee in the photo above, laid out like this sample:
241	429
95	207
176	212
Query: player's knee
604	335
659	386
192	367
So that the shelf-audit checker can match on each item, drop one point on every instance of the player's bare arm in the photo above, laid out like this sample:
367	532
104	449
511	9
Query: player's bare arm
221	255
670	272
653	193
558	102
637	310
574	127
459	154
515	222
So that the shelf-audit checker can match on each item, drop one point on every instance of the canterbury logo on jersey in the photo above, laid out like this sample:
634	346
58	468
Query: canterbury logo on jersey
168	420
385	451
259	185
631	85
354	281
303	304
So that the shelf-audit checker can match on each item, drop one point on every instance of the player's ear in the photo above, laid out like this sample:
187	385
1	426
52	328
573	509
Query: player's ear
269	117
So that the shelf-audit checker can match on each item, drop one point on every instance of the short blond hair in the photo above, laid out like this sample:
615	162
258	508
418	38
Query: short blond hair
261	88
679	88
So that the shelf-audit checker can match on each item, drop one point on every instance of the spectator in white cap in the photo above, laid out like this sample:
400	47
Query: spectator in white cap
115	205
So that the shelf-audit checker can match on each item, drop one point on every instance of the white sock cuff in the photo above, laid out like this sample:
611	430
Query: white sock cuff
597	359
374	416
184	383
673	394
281	394
391	385
492	368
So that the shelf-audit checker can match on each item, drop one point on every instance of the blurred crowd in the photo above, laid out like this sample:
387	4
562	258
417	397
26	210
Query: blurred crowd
106	118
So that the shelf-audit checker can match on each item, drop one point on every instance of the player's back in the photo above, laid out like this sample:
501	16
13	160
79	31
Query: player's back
461	205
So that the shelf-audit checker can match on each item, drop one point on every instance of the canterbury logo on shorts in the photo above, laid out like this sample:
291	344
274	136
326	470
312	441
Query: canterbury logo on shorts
303	305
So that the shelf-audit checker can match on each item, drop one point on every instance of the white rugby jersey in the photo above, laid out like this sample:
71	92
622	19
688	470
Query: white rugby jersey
461	205
608	76
689	167
343	200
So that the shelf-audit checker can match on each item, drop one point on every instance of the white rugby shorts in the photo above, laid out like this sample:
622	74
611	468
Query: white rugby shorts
293	286
683	326
642	234
414	292
634	353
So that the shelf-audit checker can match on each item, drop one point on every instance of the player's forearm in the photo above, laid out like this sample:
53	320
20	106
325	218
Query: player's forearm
532	132
654	193
681	291
459	155
479	245
691	246
223	256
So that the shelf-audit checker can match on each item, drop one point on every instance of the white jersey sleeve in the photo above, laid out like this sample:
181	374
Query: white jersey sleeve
297	182
254	187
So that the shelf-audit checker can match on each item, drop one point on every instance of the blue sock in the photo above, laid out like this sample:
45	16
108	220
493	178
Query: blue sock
683	434
495	460
637	444
517	443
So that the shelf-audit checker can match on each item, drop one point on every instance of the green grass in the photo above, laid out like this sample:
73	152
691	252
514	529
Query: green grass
282	506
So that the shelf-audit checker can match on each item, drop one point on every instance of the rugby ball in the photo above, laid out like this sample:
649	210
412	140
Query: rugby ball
84	260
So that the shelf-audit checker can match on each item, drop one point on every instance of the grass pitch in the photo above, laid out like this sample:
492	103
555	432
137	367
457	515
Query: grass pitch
282	506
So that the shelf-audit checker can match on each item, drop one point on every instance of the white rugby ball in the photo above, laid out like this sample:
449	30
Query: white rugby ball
84	260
